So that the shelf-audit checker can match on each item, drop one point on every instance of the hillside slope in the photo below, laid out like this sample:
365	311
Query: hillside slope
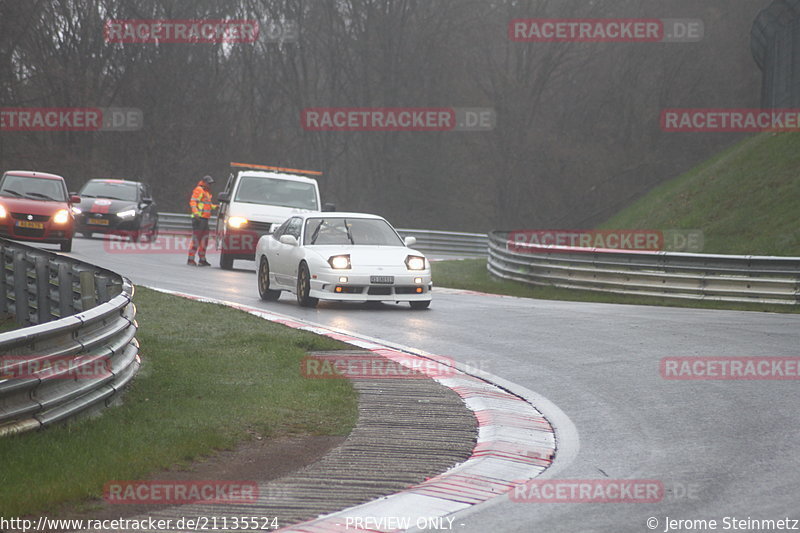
746	200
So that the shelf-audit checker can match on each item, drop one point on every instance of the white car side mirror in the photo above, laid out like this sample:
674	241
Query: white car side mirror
410	241
291	240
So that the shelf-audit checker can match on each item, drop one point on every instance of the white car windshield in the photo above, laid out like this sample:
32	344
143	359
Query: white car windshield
272	191
348	231
36	188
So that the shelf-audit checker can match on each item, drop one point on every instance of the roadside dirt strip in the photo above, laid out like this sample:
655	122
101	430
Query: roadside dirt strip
387	475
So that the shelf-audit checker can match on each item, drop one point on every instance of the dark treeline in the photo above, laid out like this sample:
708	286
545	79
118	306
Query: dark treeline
577	132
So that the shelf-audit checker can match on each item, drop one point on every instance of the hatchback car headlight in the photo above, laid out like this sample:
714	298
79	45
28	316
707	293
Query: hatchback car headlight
415	262
3	212
339	262
61	217
129	213
237	222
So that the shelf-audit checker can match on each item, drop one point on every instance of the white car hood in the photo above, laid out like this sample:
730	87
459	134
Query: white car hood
368	256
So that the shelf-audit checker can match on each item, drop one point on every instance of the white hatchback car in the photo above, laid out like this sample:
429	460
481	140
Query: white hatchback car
342	257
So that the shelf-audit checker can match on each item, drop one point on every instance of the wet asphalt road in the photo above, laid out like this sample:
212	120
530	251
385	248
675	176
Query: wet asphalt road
721	448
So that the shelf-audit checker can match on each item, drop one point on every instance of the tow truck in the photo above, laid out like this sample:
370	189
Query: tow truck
256	200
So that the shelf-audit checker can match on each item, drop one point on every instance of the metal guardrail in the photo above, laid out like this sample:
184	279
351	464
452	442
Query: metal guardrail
440	242
448	242
74	316
732	278
180	222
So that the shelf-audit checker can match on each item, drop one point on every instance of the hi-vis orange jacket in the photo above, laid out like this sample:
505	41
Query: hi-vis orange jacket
201	201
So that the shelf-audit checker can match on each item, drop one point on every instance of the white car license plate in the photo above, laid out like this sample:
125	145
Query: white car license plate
382	280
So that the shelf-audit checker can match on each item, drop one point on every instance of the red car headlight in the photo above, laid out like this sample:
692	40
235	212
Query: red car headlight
61	217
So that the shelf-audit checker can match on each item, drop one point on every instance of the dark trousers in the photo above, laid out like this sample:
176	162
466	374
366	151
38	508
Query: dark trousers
199	238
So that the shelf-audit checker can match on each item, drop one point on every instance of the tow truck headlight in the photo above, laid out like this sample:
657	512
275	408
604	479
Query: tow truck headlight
339	262
415	262
237	222
61	217
130	213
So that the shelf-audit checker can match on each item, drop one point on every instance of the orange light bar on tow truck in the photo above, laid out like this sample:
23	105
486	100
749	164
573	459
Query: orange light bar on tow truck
276	169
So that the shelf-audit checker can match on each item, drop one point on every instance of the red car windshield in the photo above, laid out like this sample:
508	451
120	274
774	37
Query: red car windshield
33	188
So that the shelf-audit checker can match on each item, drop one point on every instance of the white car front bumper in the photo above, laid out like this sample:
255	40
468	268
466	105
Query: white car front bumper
362	286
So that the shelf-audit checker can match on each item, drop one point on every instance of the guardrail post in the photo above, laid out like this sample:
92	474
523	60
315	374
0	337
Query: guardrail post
66	303
21	309
3	285
42	290
102	288
88	292
114	288
52	289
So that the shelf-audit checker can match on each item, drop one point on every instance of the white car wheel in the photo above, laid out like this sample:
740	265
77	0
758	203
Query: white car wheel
304	287
263	282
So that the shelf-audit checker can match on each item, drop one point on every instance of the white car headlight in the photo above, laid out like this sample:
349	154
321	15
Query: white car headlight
339	262
237	222
61	217
76	210
129	213
415	262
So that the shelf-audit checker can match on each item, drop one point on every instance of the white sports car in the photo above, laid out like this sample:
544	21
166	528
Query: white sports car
342	257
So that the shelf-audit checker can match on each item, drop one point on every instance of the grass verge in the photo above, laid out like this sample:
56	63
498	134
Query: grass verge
211	377
471	274
744	199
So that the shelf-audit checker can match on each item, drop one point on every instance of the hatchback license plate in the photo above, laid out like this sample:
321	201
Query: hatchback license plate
98	221
28	224
384	280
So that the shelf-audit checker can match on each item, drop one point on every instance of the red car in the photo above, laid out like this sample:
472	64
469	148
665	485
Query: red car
35	206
